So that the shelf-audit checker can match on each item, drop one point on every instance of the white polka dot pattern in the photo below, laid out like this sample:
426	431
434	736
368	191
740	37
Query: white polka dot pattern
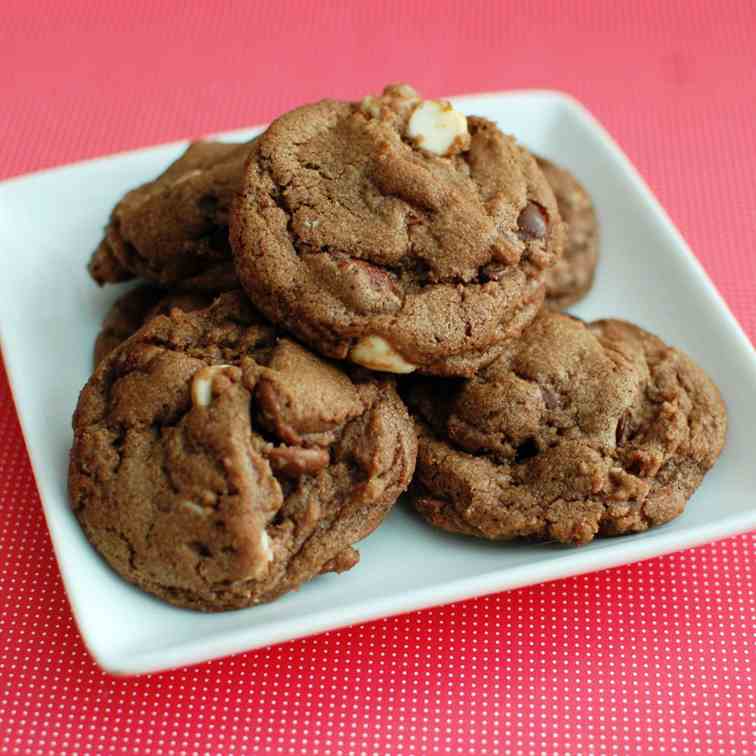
654	657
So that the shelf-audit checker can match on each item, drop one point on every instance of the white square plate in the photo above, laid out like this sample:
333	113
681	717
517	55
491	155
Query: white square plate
50	312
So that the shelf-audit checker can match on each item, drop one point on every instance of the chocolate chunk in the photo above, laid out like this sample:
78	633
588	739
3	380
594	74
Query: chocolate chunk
532	222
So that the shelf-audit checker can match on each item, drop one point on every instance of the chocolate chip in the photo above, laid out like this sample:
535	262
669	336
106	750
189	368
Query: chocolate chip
218	240
494	271
200	549
620	434
208	204
532	222
636	466
527	449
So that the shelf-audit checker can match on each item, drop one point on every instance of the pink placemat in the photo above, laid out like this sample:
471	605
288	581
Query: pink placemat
651	658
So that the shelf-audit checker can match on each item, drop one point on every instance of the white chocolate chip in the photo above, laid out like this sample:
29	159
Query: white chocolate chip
436	127
262	563
265	547
376	353
202	384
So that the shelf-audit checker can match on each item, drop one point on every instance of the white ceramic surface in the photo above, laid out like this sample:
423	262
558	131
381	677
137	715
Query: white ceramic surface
50	312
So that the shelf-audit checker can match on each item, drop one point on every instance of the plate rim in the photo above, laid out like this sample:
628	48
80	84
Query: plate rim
232	641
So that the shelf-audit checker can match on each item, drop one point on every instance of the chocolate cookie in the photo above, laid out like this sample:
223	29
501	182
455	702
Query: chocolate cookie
572	277
395	232
577	430
132	310
218	464
173	231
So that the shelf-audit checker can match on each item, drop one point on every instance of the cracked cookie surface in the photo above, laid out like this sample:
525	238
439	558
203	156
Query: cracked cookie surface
572	277
218	464
134	308
577	430
173	231
370	247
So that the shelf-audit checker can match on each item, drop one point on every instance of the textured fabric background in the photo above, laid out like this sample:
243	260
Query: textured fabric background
651	658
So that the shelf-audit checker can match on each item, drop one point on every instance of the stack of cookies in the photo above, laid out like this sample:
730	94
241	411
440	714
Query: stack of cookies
365	300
